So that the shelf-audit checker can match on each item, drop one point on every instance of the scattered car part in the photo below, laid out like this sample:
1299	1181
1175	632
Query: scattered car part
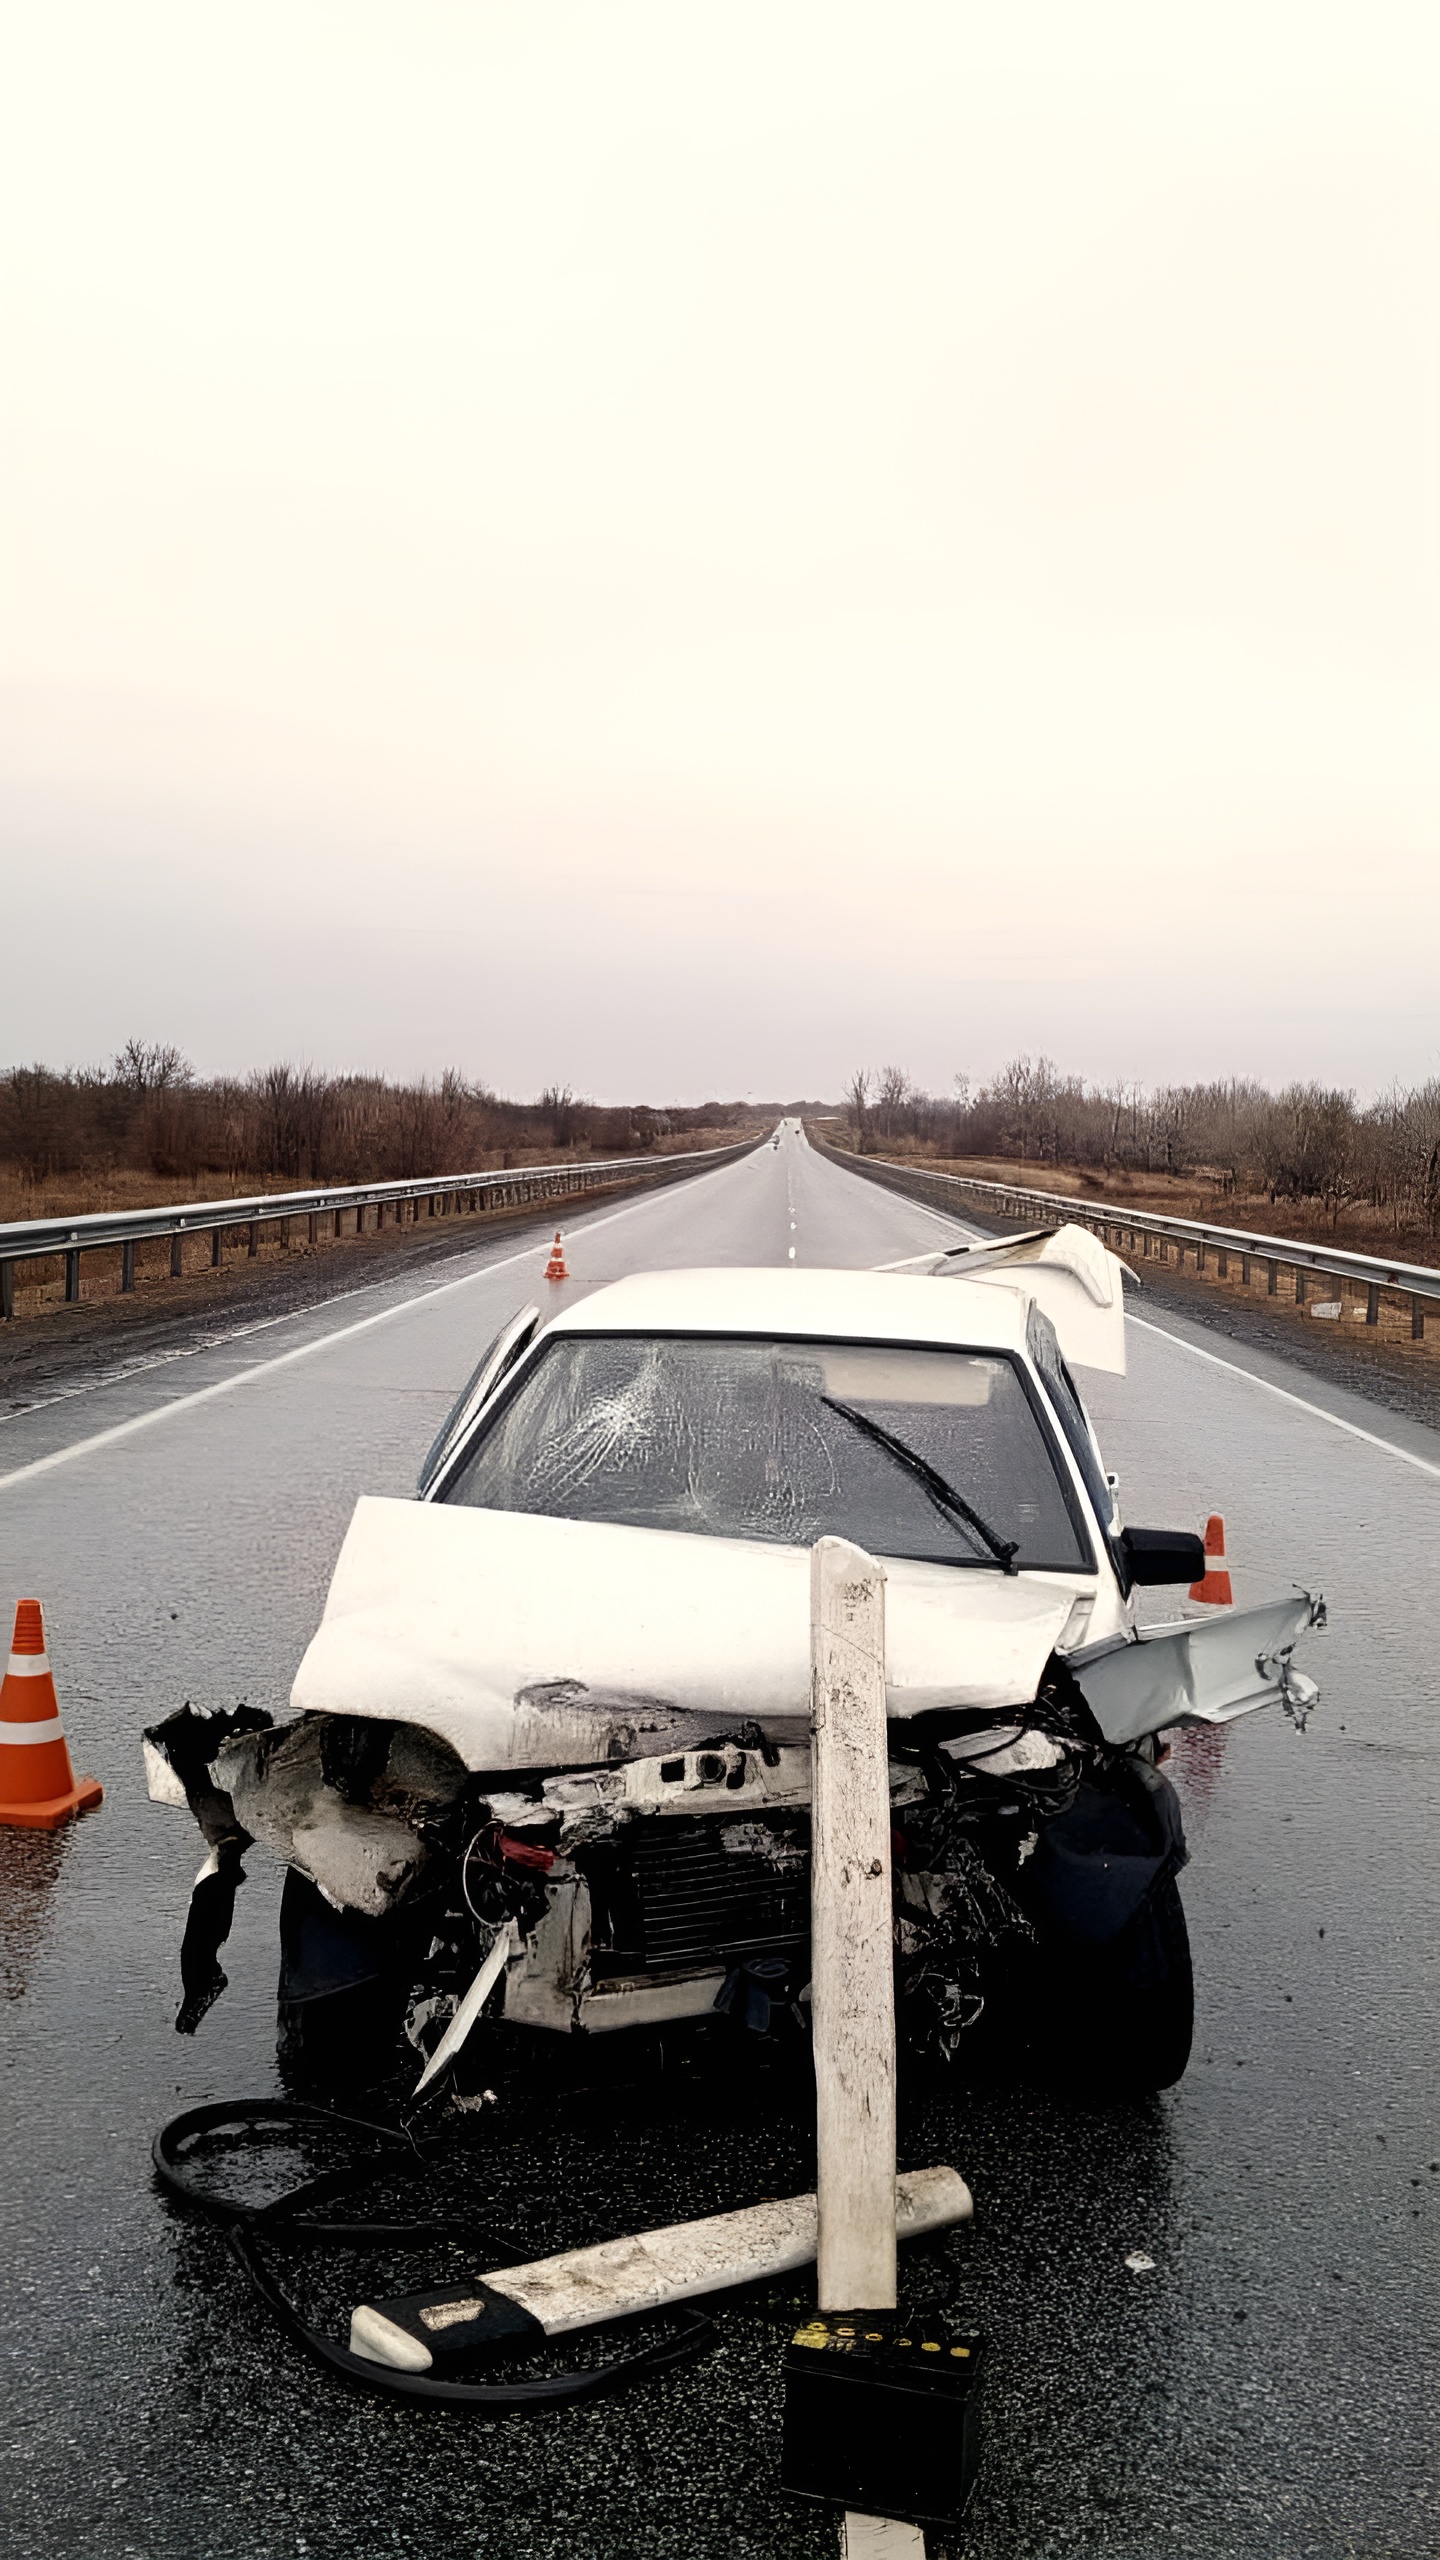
293	2216
882	2414
467	2013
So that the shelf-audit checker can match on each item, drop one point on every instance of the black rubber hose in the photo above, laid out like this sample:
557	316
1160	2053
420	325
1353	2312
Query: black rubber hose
289	2216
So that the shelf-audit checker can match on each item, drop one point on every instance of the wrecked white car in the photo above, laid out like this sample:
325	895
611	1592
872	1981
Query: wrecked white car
550	1748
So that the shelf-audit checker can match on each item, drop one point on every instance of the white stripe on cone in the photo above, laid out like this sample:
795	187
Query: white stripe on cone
51	1730
28	1666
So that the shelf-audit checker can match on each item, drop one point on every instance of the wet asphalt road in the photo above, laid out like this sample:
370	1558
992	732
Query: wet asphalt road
1270	2388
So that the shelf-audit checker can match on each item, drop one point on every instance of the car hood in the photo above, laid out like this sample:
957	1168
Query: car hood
529	1642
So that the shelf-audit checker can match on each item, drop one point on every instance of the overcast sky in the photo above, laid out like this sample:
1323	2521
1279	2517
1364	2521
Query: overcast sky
680	548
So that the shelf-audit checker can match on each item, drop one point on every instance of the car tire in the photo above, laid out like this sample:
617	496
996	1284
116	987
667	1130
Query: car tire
1119	2021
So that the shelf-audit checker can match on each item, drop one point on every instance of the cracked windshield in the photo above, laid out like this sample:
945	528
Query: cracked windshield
936	1455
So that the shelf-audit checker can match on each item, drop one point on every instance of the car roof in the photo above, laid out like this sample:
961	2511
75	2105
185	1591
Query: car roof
847	1306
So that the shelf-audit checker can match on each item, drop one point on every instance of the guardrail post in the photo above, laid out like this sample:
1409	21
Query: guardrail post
177	1256
1200	1254
852	1961
337	1223
1272	1279
1417	1319
1299	1286
72	1277
1372	1304
1245	1270
127	1265
254	1246
7	1291
217	1247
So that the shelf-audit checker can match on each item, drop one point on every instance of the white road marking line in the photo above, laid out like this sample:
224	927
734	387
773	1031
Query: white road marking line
302	1351
939	1218
1321	1412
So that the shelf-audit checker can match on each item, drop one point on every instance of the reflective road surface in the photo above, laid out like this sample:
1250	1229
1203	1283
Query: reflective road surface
1268	2387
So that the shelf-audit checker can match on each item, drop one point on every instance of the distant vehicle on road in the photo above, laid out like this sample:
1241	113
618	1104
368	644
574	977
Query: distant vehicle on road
553	1727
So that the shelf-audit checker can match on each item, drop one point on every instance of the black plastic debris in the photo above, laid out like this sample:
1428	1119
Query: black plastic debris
750	1991
207	1926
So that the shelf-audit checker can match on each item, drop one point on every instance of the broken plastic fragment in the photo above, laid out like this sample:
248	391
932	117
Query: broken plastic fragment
468	2011
207	1926
1139	2264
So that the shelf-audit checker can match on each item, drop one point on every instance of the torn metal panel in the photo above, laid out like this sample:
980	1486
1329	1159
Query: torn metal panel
548	1975
1200	1671
1068	1273
1073	1277
361	1860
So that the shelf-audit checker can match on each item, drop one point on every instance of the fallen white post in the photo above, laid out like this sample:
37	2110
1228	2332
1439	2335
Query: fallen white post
852	1963
645	2272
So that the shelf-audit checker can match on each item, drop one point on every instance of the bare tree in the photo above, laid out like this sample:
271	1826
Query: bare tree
893	1093
151	1066
1023	1088
857	1105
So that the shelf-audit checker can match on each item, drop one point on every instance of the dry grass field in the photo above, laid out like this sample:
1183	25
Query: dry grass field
1357	1226
118	1187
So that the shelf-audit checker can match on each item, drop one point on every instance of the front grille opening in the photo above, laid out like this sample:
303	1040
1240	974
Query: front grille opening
675	1900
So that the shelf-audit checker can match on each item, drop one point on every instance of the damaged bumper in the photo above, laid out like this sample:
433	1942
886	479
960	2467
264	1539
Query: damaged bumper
669	1884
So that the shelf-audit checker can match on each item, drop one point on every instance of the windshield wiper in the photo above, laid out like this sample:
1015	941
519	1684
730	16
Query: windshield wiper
943	1495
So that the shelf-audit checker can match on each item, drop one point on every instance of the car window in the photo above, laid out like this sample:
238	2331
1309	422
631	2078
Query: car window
508	1344
744	1439
1044	1347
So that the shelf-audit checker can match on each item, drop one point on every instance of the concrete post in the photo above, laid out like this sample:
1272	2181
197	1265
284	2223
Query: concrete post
852	1969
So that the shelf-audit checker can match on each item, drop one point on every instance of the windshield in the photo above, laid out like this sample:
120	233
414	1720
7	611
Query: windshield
750	1439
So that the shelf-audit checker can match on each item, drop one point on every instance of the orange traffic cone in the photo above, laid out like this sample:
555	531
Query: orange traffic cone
1214	1585
555	1267
38	1788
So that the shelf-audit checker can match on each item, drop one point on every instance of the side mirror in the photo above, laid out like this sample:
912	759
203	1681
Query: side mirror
1162	1555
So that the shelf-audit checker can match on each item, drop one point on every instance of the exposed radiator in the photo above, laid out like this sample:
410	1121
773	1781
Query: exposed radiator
701	1904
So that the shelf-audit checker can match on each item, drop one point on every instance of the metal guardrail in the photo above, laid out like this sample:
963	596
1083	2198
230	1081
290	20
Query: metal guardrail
1415	1281
38	1239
